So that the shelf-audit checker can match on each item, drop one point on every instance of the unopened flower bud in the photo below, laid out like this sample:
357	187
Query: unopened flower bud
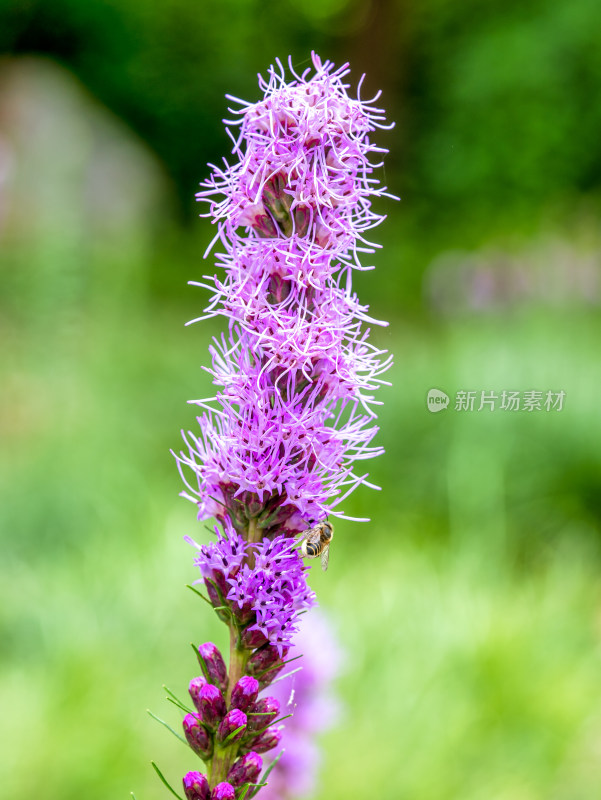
194	688
245	693
262	659
213	593
302	217
265	226
212	705
232	721
245	613
266	741
219	583
197	736
269	676
223	791
253	638
246	769
212	661
196	786
263	713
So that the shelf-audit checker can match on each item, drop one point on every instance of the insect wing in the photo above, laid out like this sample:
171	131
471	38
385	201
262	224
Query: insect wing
325	557
311	535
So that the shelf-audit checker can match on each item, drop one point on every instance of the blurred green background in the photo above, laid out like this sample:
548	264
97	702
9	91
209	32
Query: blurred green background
469	607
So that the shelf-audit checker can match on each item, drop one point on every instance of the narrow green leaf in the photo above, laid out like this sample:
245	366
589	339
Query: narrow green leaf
228	613
165	781
201	661
200	594
275	722
273	666
245	789
218	591
181	706
290	660
287	675
169	728
232	735
178	702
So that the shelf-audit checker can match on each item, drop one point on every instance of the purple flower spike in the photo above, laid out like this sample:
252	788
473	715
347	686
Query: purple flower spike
246	769
194	688
266	741
212	705
196	786
197	736
212	660
245	693
223	791
283	441
263	713
233	720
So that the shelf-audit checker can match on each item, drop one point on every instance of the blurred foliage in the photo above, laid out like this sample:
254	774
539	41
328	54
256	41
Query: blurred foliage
495	100
502	98
469	607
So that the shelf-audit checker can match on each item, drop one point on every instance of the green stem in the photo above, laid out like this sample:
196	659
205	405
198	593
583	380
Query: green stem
238	657
254	531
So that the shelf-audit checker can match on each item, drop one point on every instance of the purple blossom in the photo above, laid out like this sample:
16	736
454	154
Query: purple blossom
278	588
310	135
295	375
268	596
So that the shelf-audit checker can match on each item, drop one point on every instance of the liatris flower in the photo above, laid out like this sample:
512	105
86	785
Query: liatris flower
293	412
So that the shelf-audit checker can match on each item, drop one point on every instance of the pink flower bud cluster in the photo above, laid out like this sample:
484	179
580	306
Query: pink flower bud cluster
244	728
